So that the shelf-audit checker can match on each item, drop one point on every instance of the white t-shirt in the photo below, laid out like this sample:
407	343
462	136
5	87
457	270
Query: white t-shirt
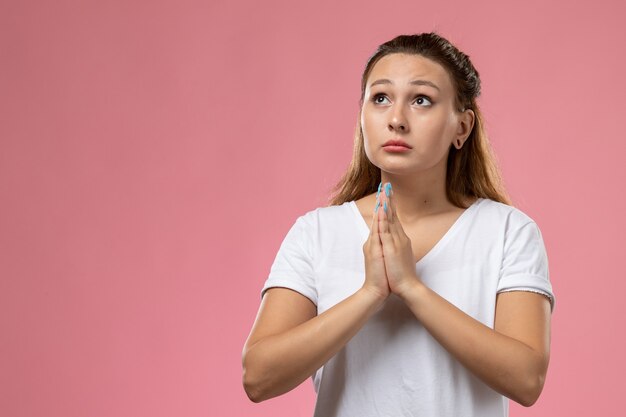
393	366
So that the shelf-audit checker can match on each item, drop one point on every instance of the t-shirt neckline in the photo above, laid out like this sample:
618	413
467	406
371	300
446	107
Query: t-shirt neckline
365	230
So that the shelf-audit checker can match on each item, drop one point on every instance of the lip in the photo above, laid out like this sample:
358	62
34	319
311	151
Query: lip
396	143
396	149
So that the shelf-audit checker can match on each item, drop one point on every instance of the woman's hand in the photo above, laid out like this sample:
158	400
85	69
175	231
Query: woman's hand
375	274
397	250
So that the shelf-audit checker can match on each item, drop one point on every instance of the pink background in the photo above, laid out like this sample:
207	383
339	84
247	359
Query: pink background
154	154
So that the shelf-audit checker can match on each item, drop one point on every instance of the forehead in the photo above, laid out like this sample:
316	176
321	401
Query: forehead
402	68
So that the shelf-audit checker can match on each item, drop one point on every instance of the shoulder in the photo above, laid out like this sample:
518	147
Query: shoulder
326	217
503	214
328	213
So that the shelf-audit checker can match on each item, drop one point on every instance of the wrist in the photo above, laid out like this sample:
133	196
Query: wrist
374	295
410	289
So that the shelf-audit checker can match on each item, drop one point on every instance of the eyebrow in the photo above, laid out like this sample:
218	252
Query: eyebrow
414	82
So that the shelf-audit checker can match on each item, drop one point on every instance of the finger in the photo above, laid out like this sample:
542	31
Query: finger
384	224
375	224
395	228
390	210
386	238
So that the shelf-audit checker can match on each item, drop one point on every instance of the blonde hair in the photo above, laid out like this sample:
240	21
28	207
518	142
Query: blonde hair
472	171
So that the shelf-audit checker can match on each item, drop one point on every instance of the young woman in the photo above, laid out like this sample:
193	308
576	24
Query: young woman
420	290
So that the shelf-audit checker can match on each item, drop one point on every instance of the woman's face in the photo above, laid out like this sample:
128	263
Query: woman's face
415	105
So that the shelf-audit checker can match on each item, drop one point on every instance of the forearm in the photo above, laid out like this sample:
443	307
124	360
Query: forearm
507	365
279	363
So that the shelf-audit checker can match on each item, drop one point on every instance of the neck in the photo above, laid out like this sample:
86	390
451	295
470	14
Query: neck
416	196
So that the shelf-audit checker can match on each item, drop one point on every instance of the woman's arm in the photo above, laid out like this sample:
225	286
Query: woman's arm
275	364
512	358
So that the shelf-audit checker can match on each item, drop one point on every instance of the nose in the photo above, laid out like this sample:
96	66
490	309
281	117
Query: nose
397	119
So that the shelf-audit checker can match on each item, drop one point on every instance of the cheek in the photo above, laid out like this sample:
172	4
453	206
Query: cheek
367	147
374	125
432	137
436	129
368	127
366	122
369	139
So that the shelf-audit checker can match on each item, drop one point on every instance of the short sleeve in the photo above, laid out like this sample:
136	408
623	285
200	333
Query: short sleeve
293	265
525	263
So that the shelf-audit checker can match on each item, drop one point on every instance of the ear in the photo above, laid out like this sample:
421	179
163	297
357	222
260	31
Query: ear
465	126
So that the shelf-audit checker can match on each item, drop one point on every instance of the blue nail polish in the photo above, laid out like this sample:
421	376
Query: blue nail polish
379	187
385	207
387	187
377	205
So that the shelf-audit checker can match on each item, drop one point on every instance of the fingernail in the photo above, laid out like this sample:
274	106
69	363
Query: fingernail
385	207
387	188
379	187
377	205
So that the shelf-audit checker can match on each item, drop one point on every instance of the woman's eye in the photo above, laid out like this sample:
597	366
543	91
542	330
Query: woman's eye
419	99
376	97
422	98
